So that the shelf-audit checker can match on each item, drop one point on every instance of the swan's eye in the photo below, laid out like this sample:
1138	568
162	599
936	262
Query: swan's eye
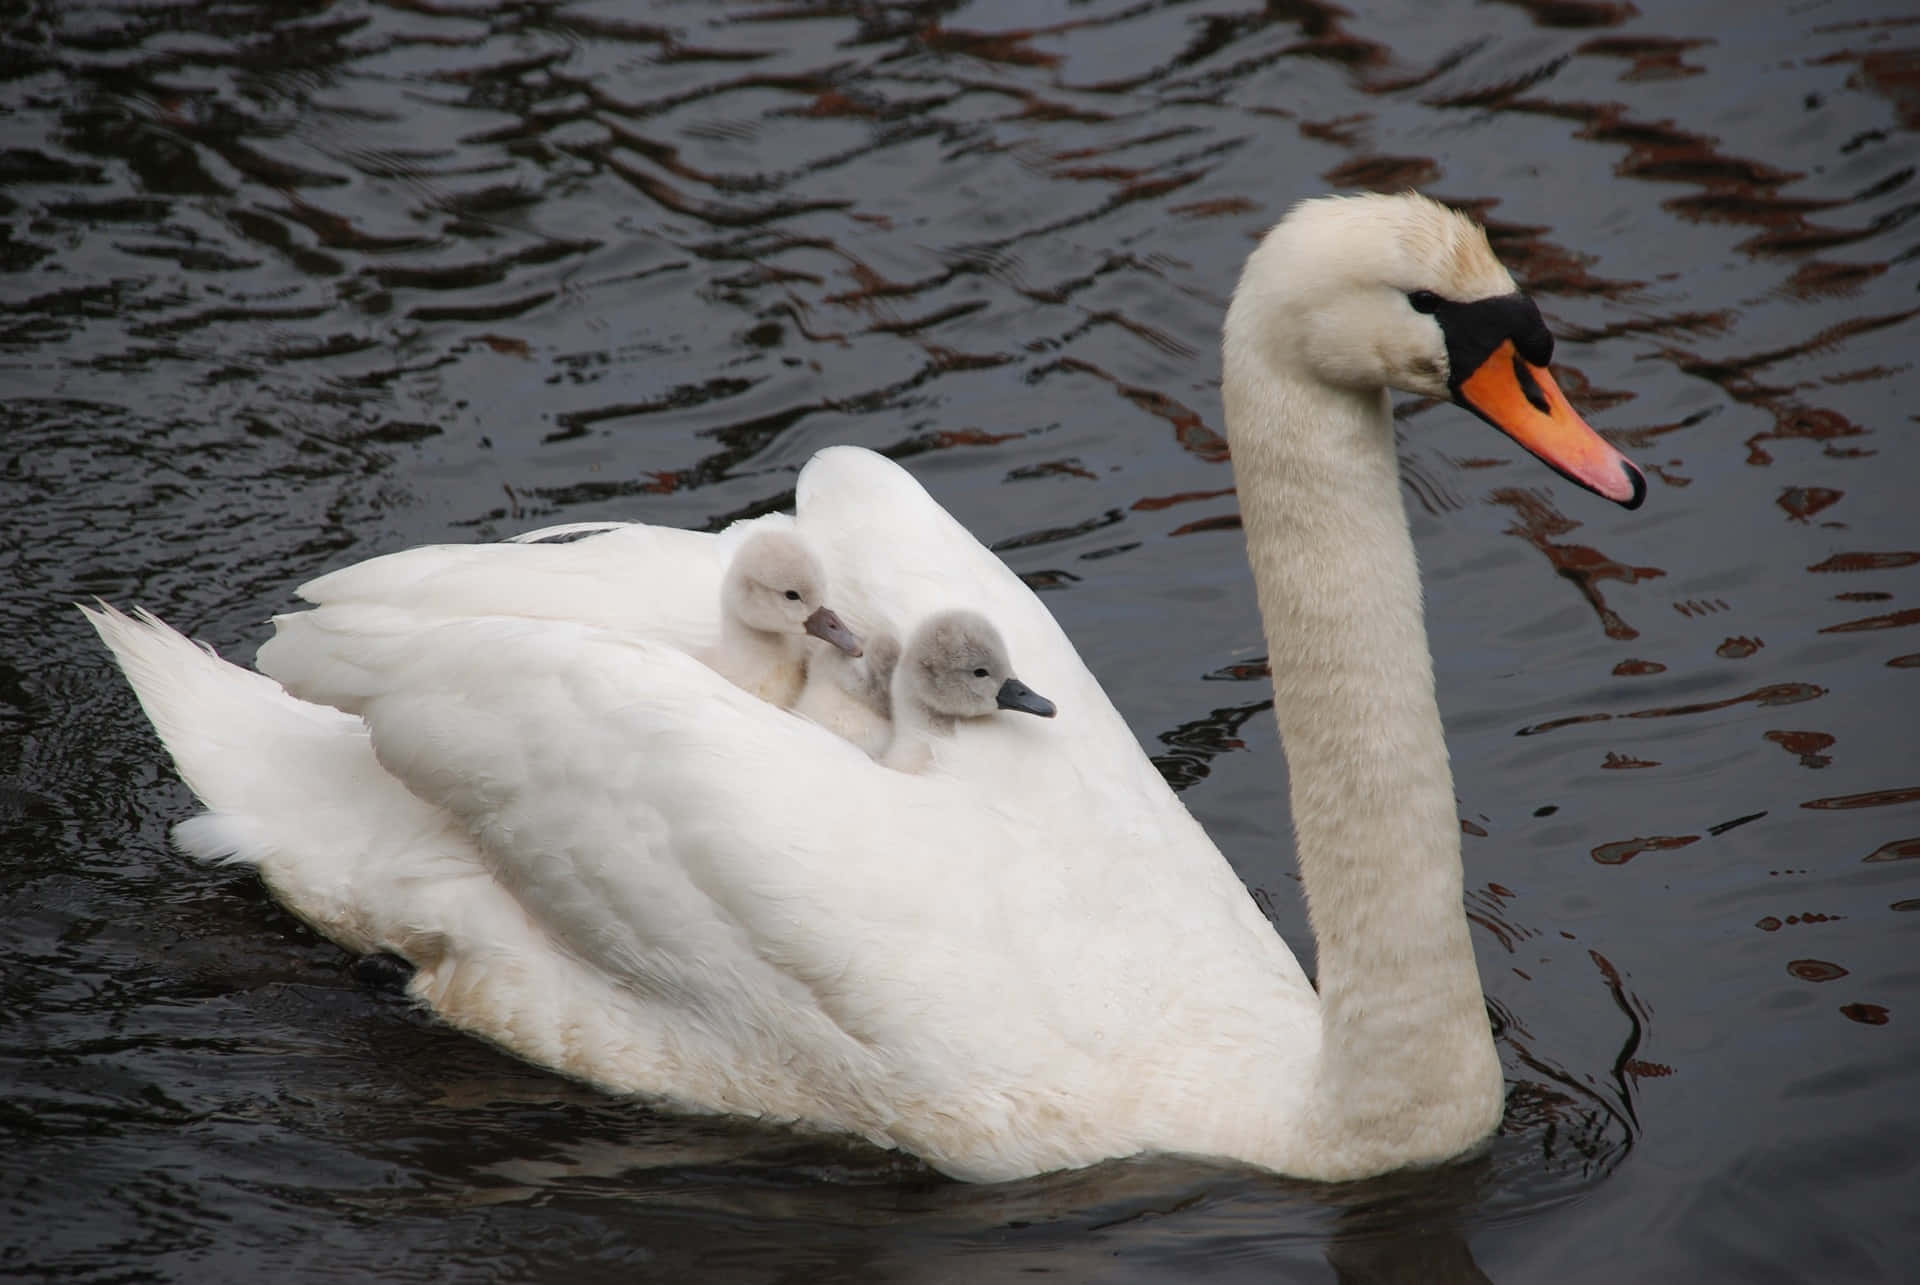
1423	300
979	673
793	595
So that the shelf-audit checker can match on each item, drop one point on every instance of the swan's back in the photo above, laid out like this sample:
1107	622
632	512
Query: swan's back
883	928
649	581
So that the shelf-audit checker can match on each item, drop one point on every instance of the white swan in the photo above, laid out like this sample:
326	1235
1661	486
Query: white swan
608	859
900	708
954	668
772	600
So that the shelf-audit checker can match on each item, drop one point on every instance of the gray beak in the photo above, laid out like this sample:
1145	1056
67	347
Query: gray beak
1016	695
827	627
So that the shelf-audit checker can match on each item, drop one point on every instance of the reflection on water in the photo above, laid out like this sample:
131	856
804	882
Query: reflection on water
283	286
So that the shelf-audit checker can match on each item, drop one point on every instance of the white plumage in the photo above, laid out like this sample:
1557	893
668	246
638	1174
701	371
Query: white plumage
608	859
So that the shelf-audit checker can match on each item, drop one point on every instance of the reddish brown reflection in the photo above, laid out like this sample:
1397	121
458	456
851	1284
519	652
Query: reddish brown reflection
1816	280
1891	620
1771	924
1383	173
1865	1014
1225	522
1615	761
1909	661
1625	850
1866	561
1243	672
1654	57
1816	970
1555	724
1009	47
1808	745
1804	424
1894	73
1215	208
1539	523
1053	468
1802	502
1898	850
1638	668
1154	503
1870	799
1488	908
969	437
1738	648
1577	13
1766	697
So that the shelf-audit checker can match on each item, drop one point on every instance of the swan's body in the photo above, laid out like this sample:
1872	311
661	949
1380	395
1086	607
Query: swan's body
1027	957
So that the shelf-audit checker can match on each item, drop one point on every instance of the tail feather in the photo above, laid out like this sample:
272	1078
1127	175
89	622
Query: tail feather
294	790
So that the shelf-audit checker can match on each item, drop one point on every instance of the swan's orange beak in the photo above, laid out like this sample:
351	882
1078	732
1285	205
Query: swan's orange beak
1522	401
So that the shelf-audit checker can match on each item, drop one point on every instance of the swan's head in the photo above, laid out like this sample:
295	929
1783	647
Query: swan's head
776	586
956	665
1370	292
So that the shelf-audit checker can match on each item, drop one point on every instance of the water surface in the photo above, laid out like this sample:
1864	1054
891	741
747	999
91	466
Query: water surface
284	286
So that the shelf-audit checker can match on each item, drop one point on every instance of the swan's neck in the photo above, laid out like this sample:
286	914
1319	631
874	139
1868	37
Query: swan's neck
915	728
1407	1068
771	666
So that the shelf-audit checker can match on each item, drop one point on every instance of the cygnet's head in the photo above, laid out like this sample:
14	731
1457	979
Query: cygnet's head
956	665
1371	292
775	585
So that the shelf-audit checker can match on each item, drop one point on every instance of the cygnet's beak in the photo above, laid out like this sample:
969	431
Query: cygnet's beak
827	627
1016	695
1522	401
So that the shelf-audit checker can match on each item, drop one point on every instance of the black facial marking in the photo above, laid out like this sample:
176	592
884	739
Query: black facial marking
1523	376
1473	330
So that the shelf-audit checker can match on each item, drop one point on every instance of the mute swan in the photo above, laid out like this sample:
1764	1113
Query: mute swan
771	602
1028	957
852	697
954	667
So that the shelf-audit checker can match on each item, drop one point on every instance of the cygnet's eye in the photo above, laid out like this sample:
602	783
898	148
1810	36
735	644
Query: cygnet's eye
793	595
1423	300
980	673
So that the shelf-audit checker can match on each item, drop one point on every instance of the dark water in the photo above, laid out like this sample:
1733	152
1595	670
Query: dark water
286	286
